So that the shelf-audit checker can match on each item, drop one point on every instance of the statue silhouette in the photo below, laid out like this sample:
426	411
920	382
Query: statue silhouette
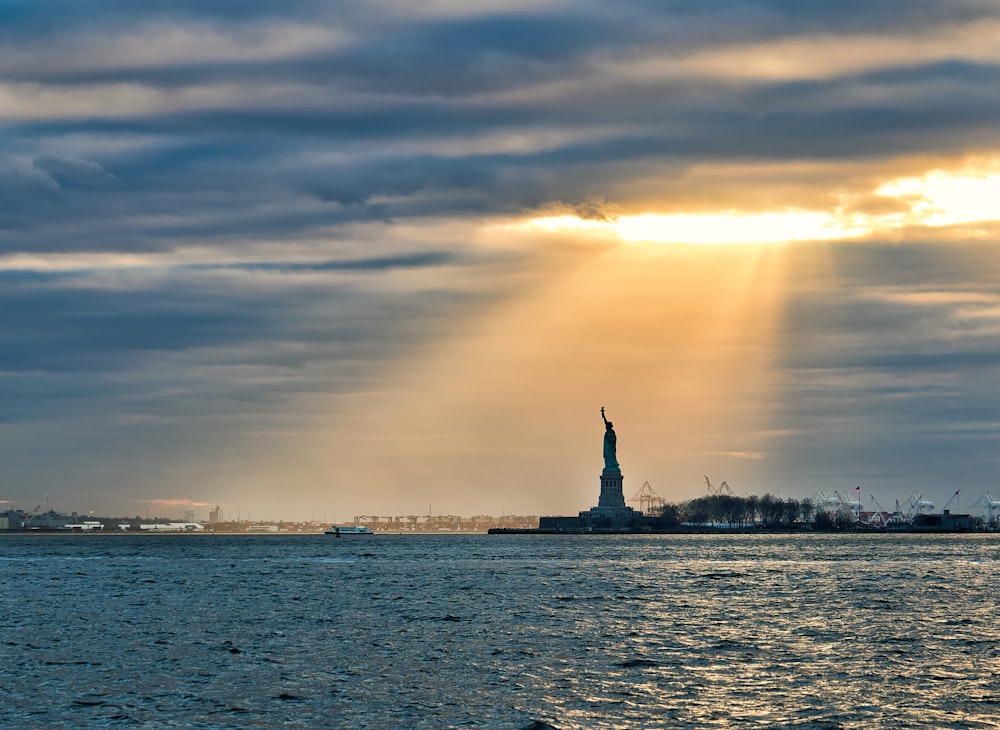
610	444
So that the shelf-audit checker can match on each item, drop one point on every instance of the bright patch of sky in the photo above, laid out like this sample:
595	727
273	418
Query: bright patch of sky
935	199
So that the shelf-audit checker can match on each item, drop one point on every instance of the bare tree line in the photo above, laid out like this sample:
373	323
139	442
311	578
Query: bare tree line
728	510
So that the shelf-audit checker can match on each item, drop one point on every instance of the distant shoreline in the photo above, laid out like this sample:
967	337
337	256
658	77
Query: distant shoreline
493	531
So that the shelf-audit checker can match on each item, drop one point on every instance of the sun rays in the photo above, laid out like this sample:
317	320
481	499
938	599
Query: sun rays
937	198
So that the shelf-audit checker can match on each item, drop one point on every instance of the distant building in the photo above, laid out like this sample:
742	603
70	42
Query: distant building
12	520
215	515
945	522
85	526
50	520
172	527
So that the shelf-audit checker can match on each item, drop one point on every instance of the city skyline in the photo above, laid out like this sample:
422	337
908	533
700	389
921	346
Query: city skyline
375	256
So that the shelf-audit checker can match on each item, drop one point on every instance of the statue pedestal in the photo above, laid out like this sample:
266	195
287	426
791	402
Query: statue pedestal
611	513
612	495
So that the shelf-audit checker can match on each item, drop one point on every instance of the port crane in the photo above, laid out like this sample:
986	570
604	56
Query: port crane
991	505
898	517
723	488
880	516
647	498
826	502
916	505
954	498
851	502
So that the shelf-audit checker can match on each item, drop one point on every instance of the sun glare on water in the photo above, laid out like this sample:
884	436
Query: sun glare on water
935	200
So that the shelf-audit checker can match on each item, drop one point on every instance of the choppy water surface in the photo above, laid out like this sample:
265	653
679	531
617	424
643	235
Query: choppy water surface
500	631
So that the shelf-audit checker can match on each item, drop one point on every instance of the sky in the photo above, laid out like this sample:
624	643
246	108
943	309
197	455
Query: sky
312	260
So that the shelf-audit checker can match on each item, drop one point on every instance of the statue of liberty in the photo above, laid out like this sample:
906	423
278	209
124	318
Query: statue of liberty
610	445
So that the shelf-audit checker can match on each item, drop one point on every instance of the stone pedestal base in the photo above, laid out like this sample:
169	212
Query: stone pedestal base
611	513
612	496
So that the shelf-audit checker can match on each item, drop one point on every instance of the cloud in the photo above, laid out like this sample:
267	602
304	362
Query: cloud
171	502
69	172
243	125
893	366
752	455
233	238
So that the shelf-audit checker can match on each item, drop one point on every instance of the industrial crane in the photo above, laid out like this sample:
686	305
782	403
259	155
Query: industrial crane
723	488
880	516
991	505
649	501
826	502
954	498
898	517
916	504
852	503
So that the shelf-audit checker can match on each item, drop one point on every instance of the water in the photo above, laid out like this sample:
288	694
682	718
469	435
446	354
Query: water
207	631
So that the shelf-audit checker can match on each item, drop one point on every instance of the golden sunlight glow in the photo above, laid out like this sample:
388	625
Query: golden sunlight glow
726	228
715	228
940	199
696	327
936	199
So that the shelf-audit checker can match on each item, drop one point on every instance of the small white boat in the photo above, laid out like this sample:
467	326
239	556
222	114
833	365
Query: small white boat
349	530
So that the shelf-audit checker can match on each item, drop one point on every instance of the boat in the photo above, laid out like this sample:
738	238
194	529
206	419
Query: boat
339	530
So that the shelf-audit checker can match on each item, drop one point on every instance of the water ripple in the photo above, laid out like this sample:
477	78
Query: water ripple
520	632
